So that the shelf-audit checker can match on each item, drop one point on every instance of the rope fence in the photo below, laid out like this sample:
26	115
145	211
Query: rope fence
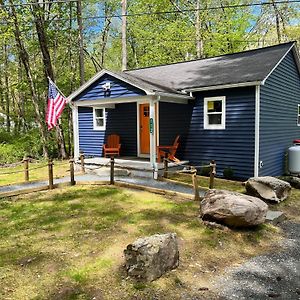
22	171
27	170
191	171
186	170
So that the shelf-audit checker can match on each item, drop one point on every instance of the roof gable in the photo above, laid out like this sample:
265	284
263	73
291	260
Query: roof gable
93	89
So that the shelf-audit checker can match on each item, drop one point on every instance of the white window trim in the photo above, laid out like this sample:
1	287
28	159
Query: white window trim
94	119
298	124
215	126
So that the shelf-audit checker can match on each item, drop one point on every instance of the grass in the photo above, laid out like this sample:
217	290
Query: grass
60	169
203	182
291	207
68	244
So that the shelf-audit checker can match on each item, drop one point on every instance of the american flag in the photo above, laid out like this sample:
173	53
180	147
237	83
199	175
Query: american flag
56	104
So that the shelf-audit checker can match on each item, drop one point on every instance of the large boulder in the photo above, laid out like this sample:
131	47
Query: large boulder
292	180
149	258
268	188
233	209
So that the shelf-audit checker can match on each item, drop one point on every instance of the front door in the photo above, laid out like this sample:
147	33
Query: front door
144	128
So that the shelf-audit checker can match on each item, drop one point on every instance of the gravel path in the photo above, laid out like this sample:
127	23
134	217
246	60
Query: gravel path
271	276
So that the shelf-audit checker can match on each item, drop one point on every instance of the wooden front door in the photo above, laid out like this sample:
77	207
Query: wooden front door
144	128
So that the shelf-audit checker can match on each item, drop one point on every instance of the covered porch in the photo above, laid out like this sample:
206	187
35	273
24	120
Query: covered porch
144	115
143	123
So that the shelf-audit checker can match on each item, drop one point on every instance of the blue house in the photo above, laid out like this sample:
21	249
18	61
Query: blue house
242	110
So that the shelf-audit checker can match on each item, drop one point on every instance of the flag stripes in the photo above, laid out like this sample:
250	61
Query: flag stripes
56	104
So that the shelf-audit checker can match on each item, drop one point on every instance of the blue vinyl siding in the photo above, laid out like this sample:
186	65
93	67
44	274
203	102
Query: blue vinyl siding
279	99
174	119
118	89
90	140
121	120
231	147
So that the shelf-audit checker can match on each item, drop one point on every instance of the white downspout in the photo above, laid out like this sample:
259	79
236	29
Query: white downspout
257	119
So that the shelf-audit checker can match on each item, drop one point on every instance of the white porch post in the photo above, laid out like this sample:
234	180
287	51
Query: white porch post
152	133
75	131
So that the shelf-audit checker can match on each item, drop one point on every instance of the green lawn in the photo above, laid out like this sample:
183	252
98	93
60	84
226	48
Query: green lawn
68	244
203	182
60	169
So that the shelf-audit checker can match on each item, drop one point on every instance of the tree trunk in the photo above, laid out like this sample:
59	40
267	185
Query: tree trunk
40	29
21	103
105	31
7	100
24	57
277	17
72	71
199	41
80	41
124	29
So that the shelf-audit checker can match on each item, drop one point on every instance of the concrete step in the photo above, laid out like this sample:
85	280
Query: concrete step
127	169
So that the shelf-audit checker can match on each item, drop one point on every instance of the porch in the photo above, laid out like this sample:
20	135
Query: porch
142	123
128	166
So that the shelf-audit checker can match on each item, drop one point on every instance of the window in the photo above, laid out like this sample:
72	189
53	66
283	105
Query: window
214	113
99	118
298	116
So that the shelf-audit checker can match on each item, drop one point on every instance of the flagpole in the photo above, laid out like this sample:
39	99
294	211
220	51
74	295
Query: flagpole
57	87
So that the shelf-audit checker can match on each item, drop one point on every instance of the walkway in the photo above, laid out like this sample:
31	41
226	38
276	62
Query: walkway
140	181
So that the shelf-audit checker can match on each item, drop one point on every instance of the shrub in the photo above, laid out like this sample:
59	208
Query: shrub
228	173
204	171
14	146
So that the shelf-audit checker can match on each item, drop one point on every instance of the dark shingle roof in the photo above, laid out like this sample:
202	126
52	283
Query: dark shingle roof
146	84
243	67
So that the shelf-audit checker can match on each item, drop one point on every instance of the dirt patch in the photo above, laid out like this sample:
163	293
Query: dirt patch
65	291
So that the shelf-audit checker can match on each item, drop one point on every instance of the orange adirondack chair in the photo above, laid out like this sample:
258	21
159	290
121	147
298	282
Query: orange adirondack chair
112	146
169	151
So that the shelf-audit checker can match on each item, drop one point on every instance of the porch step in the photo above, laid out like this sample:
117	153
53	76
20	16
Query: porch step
125	167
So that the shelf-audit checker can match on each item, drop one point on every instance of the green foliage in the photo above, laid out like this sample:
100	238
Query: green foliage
155	36
13	147
228	173
204	171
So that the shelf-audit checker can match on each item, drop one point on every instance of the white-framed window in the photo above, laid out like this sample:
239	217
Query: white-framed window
99	118
298	115
214	112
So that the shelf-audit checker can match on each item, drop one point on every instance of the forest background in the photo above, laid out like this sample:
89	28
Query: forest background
69	41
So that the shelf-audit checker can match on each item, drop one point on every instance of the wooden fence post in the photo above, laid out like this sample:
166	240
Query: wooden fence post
212	174
26	170
165	167
112	170
50	173
72	172
195	185
82	163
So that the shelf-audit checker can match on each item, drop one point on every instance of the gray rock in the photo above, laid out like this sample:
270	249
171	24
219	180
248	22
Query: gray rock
268	188
233	209
292	180
275	217
149	258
